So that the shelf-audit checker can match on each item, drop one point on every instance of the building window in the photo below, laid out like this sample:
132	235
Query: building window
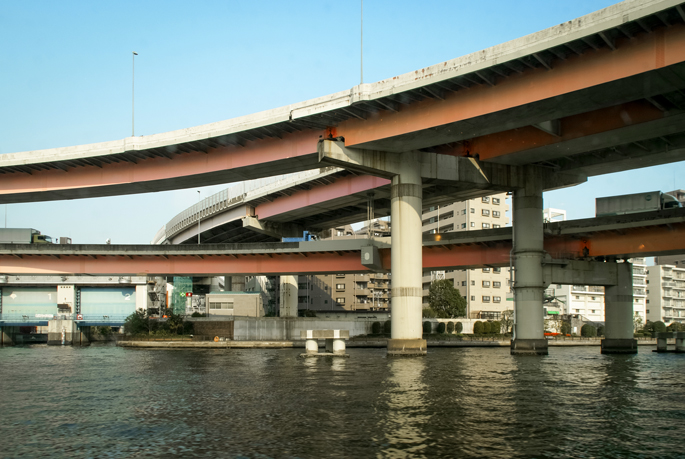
577	297
486	299
473	298
495	200
577	310
486	284
473	224
463	283
485	212
340	286
592	311
463	211
647	311
486	199
495	213
473	282
486	225
340	300
593	298
486	270
496	299
495	225
463	225
497	270
647	303
339	275
473	210
496	284
221	305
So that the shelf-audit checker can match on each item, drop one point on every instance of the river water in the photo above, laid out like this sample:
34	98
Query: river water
104	401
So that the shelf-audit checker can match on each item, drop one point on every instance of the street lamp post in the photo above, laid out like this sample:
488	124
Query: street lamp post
133	95
199	217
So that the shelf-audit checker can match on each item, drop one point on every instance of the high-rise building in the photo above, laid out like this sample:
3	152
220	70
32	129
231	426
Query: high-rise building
347	292
666	294
485	289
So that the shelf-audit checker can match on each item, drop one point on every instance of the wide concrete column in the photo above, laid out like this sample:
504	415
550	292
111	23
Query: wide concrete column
618	314
406	265
288	296
529	286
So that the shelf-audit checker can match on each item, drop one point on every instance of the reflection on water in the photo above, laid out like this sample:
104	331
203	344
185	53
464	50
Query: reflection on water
105	401
400	430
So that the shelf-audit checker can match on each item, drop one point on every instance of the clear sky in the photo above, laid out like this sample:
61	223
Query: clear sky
66	74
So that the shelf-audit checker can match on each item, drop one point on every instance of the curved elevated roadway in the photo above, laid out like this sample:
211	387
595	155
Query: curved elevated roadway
598	94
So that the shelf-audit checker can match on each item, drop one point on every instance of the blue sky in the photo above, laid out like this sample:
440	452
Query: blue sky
65	74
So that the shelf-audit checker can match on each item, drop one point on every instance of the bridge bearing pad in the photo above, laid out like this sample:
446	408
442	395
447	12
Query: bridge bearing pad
406	347
529	347
619	346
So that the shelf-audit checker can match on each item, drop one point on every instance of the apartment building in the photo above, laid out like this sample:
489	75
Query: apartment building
666	294
347	292
487	289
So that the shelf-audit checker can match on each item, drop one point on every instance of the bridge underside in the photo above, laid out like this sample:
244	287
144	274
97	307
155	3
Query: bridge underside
616	237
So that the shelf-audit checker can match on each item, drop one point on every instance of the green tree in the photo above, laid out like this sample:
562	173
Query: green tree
427	327
495	327
659	326
446	300
428	313
637	321
458	327
588	331
486	328
478	327
600	330
387	327
441	327
565	328
450	327
137	323
376	328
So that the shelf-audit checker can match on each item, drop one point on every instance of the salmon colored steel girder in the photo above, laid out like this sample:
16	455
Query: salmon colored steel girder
646	241
642	54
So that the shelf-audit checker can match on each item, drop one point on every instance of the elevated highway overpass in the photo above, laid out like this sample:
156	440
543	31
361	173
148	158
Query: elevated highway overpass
598	94
594	239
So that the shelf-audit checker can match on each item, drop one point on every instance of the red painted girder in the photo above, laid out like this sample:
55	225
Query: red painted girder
644	53
342	187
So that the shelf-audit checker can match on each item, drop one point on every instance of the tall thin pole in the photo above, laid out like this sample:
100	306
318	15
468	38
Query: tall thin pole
362	43
199	218
133	95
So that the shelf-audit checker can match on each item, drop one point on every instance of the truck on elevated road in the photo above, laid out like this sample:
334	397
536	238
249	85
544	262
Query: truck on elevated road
634	203
23	236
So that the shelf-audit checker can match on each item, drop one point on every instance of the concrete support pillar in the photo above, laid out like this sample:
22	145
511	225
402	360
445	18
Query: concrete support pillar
311	346
288	296
406	264
680	342
662	342
234	283
618	314
529	286
6	334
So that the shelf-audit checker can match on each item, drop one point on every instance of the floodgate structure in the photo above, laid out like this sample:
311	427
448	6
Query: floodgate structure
602	93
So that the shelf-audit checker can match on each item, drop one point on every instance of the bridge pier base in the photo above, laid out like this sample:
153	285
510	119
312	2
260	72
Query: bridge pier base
288	296
618	314
406	264
529	338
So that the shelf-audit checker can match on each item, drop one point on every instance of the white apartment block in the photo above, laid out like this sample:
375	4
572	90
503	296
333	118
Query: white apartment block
666	294
486	290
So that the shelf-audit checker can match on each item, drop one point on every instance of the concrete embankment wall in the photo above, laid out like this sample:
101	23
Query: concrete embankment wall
281	328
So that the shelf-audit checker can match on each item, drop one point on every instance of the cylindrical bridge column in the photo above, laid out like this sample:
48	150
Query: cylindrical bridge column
528	285
288	296
618	314
406	265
